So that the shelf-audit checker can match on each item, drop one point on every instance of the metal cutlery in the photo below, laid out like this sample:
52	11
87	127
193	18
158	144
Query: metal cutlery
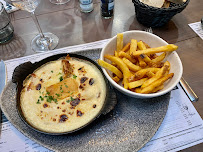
188	90
2	75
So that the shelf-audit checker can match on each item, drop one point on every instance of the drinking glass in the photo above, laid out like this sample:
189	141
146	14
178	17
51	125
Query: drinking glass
43	41
59	1
6	28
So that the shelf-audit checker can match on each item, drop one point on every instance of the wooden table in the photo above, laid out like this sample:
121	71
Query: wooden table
73	27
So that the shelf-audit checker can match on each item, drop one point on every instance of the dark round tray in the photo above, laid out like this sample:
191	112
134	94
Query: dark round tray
128	127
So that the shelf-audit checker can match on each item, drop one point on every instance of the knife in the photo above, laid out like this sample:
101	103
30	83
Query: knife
190	93
3	77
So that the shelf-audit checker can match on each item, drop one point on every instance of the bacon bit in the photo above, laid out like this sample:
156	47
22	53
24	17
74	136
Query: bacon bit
33	75
83	99
83	79
79	113
63	118
81	87
58	107
68	57
63	103
99	95
94	106
38	87
79	95
45	105
70	113
30	86
50	77
91	82
75	102
67	68
41	80
54	119
81	70
64	110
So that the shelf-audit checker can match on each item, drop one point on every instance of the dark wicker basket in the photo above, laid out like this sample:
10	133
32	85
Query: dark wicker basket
155	17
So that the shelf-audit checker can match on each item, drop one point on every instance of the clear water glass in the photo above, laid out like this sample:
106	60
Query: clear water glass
59	2
6	27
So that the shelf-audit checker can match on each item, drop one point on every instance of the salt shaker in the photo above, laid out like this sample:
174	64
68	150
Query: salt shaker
107	8
86	6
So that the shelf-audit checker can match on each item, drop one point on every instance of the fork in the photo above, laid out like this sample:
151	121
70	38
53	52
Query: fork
188	90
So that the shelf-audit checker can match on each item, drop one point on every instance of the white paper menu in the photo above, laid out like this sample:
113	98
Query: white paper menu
182	126
197	28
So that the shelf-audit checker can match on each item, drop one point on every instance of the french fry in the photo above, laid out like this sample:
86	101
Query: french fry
116	53
157	76
126	47
133	46
131	66
159	58
157	83
158	88
141	45
138	90
119	41
116	79
124	68
146	58
136	83
111	68
166	48
141	73
122	54
149	74
141	62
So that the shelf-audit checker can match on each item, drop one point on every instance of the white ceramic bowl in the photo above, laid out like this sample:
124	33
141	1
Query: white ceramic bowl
153	41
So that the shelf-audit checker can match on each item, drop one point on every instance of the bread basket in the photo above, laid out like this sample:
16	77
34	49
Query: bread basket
156	17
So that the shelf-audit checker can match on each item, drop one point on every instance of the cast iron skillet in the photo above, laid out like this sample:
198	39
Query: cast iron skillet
23	70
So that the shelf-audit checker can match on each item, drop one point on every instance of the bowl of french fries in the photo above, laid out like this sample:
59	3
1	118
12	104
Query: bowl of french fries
141	64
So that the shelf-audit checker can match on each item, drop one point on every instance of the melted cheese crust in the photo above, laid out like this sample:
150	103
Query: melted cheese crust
63	115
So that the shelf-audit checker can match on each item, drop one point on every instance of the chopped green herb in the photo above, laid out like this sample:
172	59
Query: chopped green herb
48	92
74	76
61	78
52	71
41	98
38	102
59	73
68	91
71	93
58	95
71	98
66	86
49	99
55	100
67	101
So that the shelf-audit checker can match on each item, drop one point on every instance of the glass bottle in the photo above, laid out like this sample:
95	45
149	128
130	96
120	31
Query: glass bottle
86	6
107	8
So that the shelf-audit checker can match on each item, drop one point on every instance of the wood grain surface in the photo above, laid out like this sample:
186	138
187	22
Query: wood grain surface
73	27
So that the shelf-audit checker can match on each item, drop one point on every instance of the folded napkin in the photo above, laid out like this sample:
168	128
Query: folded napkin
9	8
